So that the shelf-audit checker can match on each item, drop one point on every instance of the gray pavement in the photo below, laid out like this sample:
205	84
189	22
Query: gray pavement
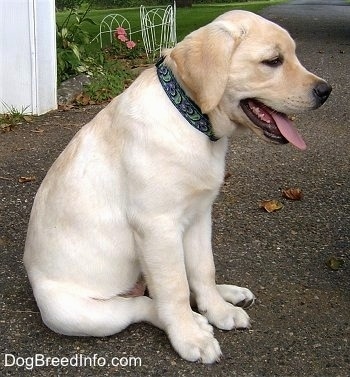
301	320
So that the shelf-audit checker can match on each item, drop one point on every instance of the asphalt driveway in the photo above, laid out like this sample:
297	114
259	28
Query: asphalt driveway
296	260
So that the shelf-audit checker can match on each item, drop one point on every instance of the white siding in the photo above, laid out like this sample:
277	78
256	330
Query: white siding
28	55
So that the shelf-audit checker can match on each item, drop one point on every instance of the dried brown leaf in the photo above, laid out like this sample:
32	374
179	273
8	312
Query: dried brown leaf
271	205
38	131
28	118
227	176
83	99
6	127
65	107
292	193
24	179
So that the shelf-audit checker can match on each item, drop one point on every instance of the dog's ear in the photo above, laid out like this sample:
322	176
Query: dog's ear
202	62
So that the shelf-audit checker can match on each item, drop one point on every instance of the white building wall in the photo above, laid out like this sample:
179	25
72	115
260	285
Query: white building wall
28	55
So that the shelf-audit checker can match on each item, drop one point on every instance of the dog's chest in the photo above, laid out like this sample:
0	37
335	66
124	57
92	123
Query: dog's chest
181	180
199	178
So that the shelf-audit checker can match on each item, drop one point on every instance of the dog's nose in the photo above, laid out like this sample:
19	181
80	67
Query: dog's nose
321	92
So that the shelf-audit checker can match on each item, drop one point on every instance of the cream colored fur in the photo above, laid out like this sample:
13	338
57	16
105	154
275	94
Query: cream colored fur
132	194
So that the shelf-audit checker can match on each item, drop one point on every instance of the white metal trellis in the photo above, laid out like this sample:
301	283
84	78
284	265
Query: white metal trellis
110	23
158	28
154	19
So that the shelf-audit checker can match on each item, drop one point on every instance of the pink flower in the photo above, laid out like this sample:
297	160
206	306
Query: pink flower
120	31
121	34
130	44
122	38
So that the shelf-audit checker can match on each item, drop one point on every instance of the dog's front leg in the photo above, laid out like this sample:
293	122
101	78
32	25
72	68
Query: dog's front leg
216	302
161	253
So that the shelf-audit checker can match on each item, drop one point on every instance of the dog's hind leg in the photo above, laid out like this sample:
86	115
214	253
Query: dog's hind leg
69	312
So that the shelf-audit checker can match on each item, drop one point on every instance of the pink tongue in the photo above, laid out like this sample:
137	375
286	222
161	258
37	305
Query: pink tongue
288	130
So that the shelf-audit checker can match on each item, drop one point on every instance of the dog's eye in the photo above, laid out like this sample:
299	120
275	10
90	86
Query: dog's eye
275	62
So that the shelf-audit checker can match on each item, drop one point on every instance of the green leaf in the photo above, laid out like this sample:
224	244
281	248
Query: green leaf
335	263
75	50
90	21
64	32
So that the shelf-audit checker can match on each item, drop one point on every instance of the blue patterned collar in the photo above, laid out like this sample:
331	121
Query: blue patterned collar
188	109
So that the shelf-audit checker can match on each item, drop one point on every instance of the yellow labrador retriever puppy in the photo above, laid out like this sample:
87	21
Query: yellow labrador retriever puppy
131	195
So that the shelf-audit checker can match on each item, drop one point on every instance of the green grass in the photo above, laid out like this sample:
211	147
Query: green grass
12	117
188	19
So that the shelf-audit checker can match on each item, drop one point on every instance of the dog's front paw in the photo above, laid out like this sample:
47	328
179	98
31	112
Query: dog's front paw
203	323
195	341
225	316
238	296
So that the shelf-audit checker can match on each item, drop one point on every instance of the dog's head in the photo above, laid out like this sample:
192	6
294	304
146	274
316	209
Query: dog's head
242	70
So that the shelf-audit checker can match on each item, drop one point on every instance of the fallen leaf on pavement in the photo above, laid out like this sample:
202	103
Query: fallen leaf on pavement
335	263
227	176
83	99
293	193
65	107
6	127
24	179
38	130
28	118
271	205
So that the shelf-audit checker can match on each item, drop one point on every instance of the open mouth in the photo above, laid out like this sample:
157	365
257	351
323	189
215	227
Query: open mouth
276	126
